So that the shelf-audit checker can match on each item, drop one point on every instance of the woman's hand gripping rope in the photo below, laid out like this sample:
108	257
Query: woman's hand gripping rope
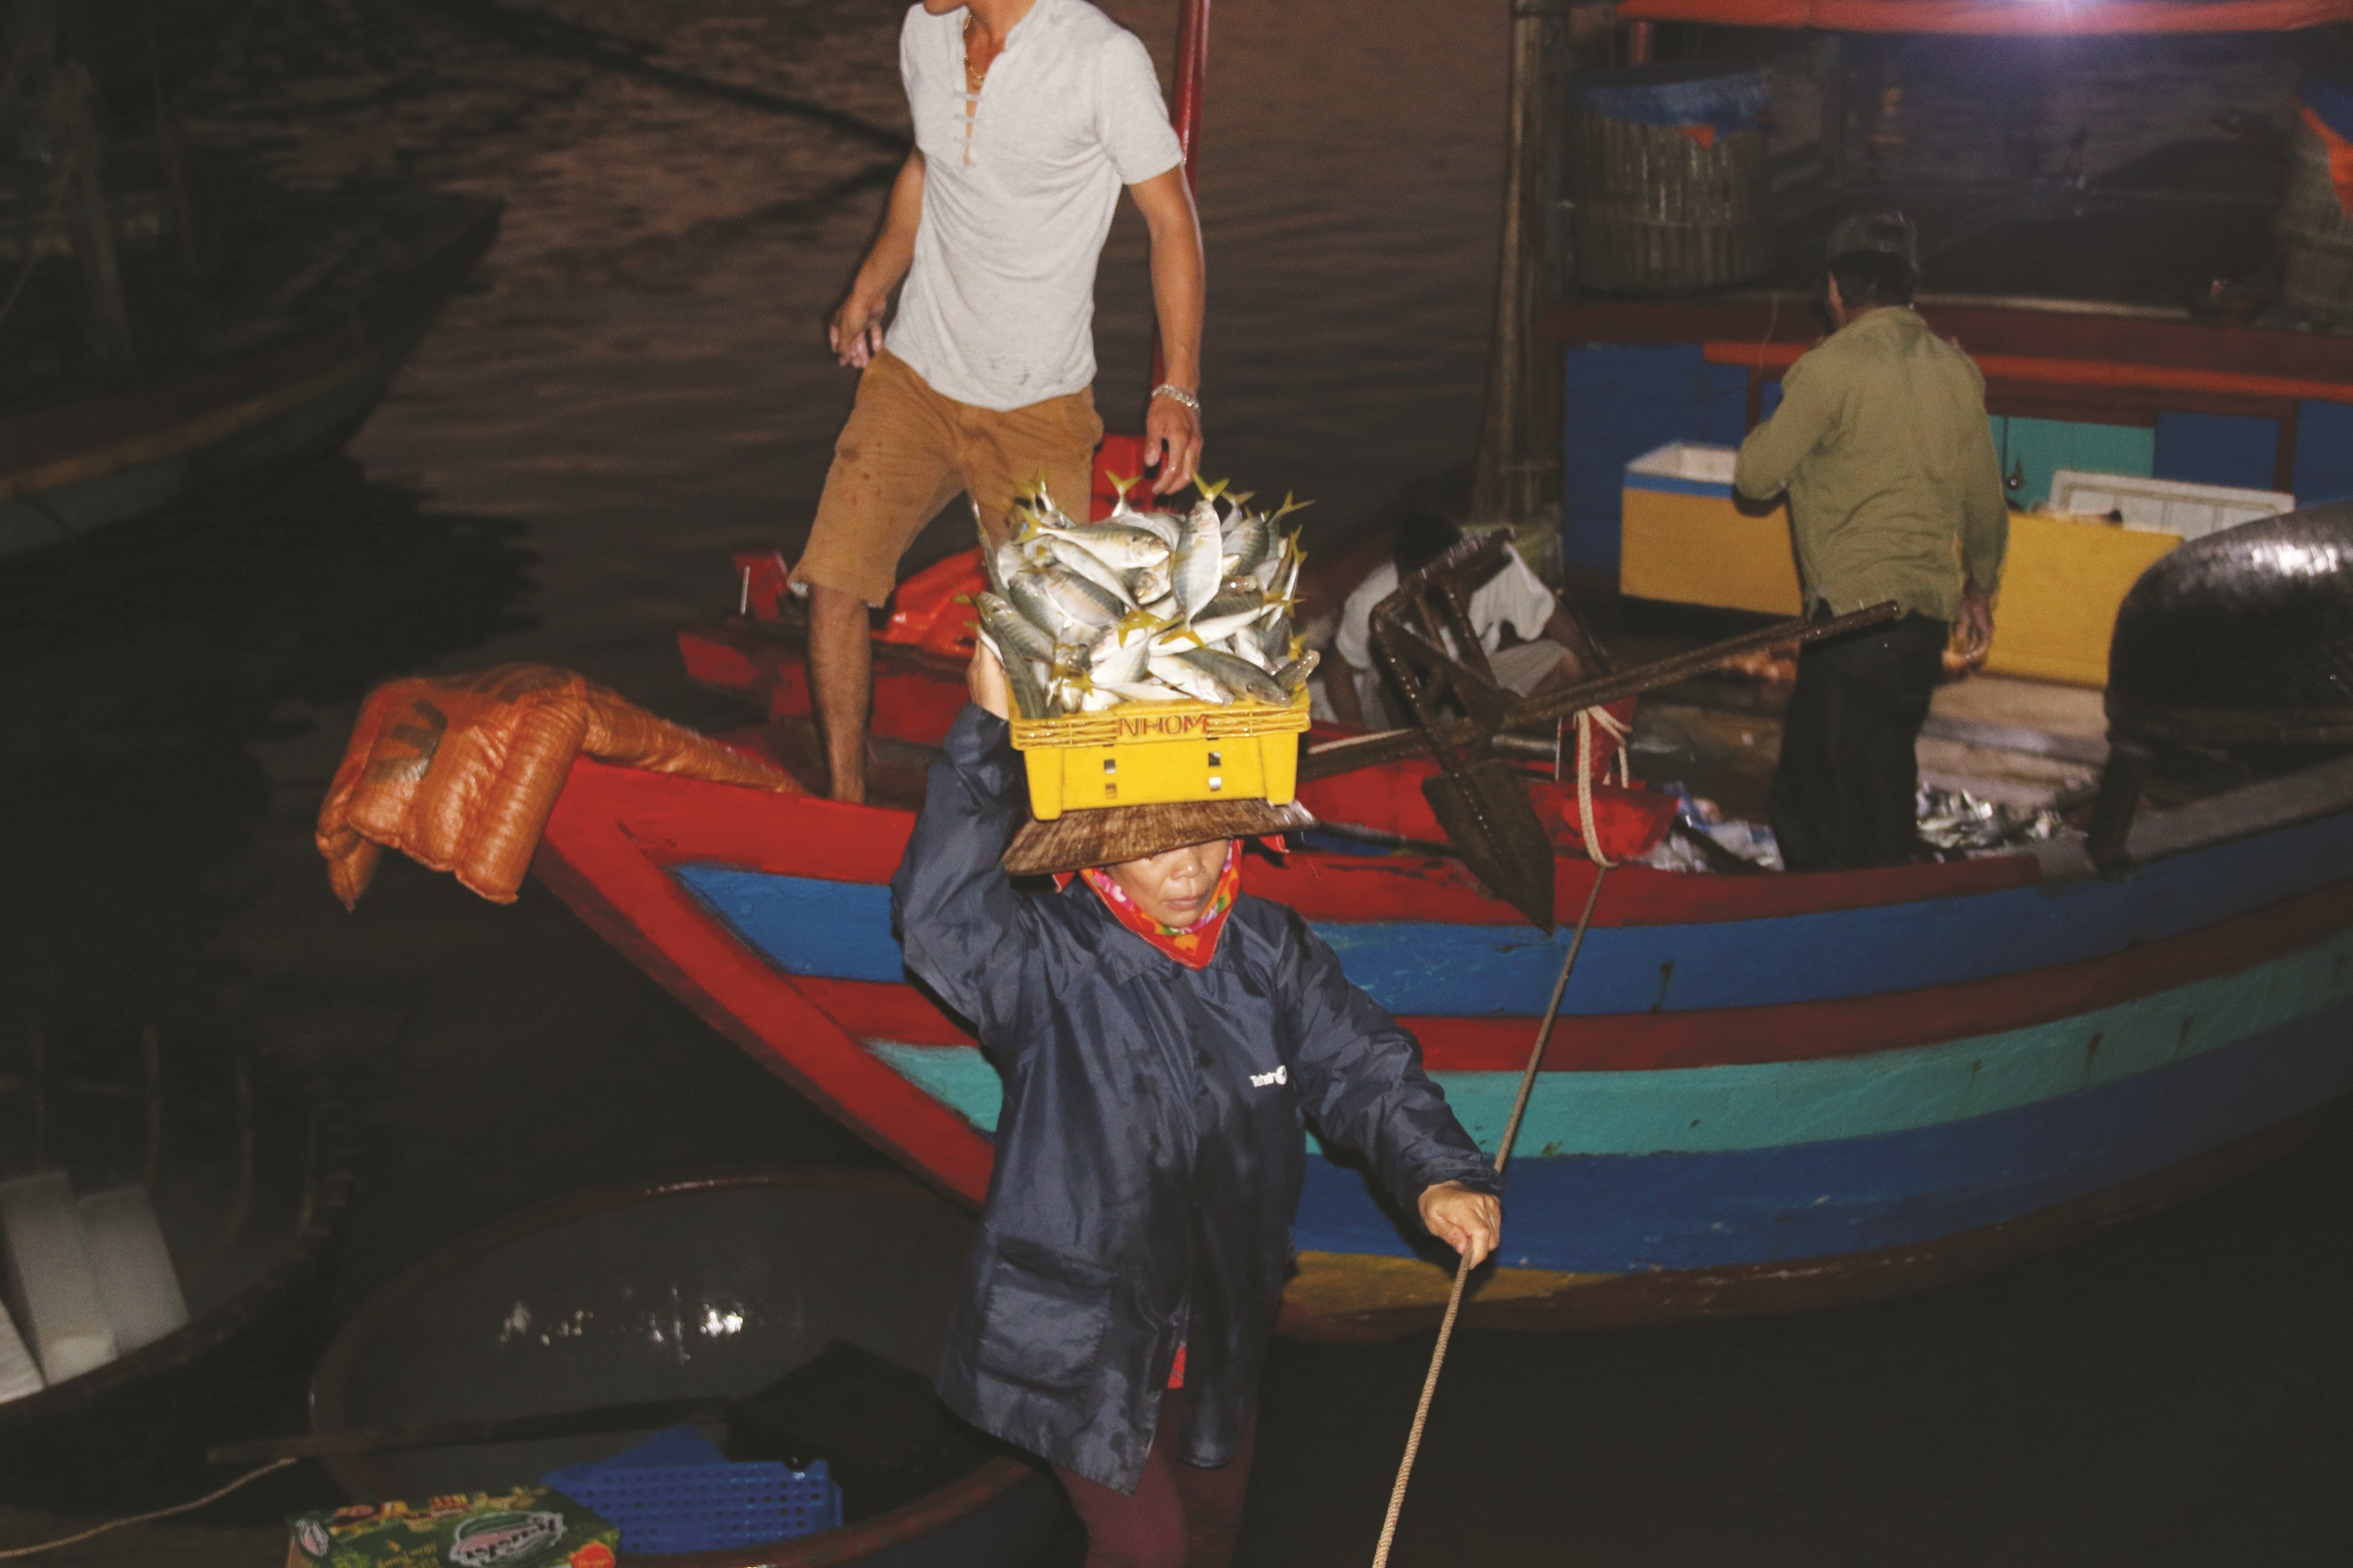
1470	1223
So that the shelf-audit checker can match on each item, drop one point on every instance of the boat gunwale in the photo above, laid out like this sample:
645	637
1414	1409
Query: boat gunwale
302	1265
41	431
961	1497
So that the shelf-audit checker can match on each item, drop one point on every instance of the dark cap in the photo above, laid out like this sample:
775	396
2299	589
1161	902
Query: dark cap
1888	233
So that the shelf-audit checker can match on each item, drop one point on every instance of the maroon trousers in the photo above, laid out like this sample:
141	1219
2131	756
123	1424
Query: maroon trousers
1182	1515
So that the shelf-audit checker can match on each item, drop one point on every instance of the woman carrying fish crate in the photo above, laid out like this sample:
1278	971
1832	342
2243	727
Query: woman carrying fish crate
1163	1037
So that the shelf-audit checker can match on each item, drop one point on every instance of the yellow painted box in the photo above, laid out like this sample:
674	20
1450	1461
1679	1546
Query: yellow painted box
1149	753
1685	541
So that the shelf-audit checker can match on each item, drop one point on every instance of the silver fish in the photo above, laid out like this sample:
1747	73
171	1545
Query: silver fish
1120	547
1293	674
1166	527
1239	674
1004	562
1073	557
1194	572
1011	629
1118	656
1274	634
1026	591
1235	595
1027	680
1149	583
992	557
1083	602
1248	538
1242	647
1189	679
1286	583
1215	628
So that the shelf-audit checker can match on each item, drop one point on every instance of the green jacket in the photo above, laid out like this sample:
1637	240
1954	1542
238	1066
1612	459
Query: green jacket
1894	488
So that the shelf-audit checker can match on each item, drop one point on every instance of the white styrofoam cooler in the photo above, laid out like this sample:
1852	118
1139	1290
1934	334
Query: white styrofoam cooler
1688	461
2166	506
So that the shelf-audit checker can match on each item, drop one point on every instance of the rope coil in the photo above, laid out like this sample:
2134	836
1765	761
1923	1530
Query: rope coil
1587	719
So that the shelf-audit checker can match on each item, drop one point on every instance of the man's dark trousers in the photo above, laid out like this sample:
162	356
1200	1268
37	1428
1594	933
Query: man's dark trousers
1843	795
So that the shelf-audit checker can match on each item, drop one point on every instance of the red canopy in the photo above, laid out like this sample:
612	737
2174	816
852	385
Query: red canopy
2002	17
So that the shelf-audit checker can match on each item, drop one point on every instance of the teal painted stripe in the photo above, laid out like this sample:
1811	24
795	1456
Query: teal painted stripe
1769	1105
1720	1110
958	1076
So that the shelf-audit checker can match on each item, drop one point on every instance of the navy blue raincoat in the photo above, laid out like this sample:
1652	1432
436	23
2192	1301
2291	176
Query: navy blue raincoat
1153	1141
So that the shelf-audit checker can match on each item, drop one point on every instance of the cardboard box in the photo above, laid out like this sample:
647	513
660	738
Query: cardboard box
529	1527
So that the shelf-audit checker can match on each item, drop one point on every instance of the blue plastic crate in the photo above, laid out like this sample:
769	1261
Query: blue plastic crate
671	1446
690	1497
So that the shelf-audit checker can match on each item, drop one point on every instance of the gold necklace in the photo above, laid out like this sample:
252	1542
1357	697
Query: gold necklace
972	79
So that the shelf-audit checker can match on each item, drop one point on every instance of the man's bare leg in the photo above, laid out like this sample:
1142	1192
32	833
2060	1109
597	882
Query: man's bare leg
841	684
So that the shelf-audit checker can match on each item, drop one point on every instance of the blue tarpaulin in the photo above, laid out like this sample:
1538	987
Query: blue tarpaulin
1676	96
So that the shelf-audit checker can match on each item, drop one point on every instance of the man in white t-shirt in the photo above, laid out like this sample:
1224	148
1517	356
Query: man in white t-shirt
1031	116
1513	601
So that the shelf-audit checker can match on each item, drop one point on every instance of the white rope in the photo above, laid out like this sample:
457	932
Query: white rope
1587	718
98	1530
1462	1273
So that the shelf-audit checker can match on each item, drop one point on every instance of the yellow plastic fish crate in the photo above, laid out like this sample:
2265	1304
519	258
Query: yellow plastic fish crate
1148	754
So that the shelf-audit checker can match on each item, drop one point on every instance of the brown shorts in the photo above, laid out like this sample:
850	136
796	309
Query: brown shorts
907	451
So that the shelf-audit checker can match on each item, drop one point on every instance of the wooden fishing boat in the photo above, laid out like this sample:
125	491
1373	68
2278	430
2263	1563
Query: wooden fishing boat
168	318
701	1289
1766	1092
251	1175
299	372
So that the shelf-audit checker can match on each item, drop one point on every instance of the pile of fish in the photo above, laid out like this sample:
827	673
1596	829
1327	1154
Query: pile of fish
1145	607
1955	819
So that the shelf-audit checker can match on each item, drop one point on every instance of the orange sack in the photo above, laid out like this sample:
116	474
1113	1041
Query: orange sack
460	772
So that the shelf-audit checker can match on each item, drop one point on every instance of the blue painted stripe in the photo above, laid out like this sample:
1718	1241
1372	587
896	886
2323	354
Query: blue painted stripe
842	930
1775	1104
1672	485
837	930
1620	1214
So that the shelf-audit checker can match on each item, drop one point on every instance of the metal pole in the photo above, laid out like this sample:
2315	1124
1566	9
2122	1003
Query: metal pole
1518	475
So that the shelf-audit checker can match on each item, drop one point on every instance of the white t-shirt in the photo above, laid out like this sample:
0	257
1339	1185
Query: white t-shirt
999	309
1514	597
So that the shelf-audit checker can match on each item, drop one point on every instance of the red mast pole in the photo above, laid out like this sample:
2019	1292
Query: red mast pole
1192	66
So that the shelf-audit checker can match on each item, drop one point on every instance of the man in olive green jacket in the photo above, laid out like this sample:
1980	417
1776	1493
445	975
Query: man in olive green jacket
1895	493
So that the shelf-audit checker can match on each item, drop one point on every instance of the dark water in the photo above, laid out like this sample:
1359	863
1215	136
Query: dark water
640	384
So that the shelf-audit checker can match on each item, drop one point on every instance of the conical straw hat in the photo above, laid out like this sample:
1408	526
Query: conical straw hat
1110	834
